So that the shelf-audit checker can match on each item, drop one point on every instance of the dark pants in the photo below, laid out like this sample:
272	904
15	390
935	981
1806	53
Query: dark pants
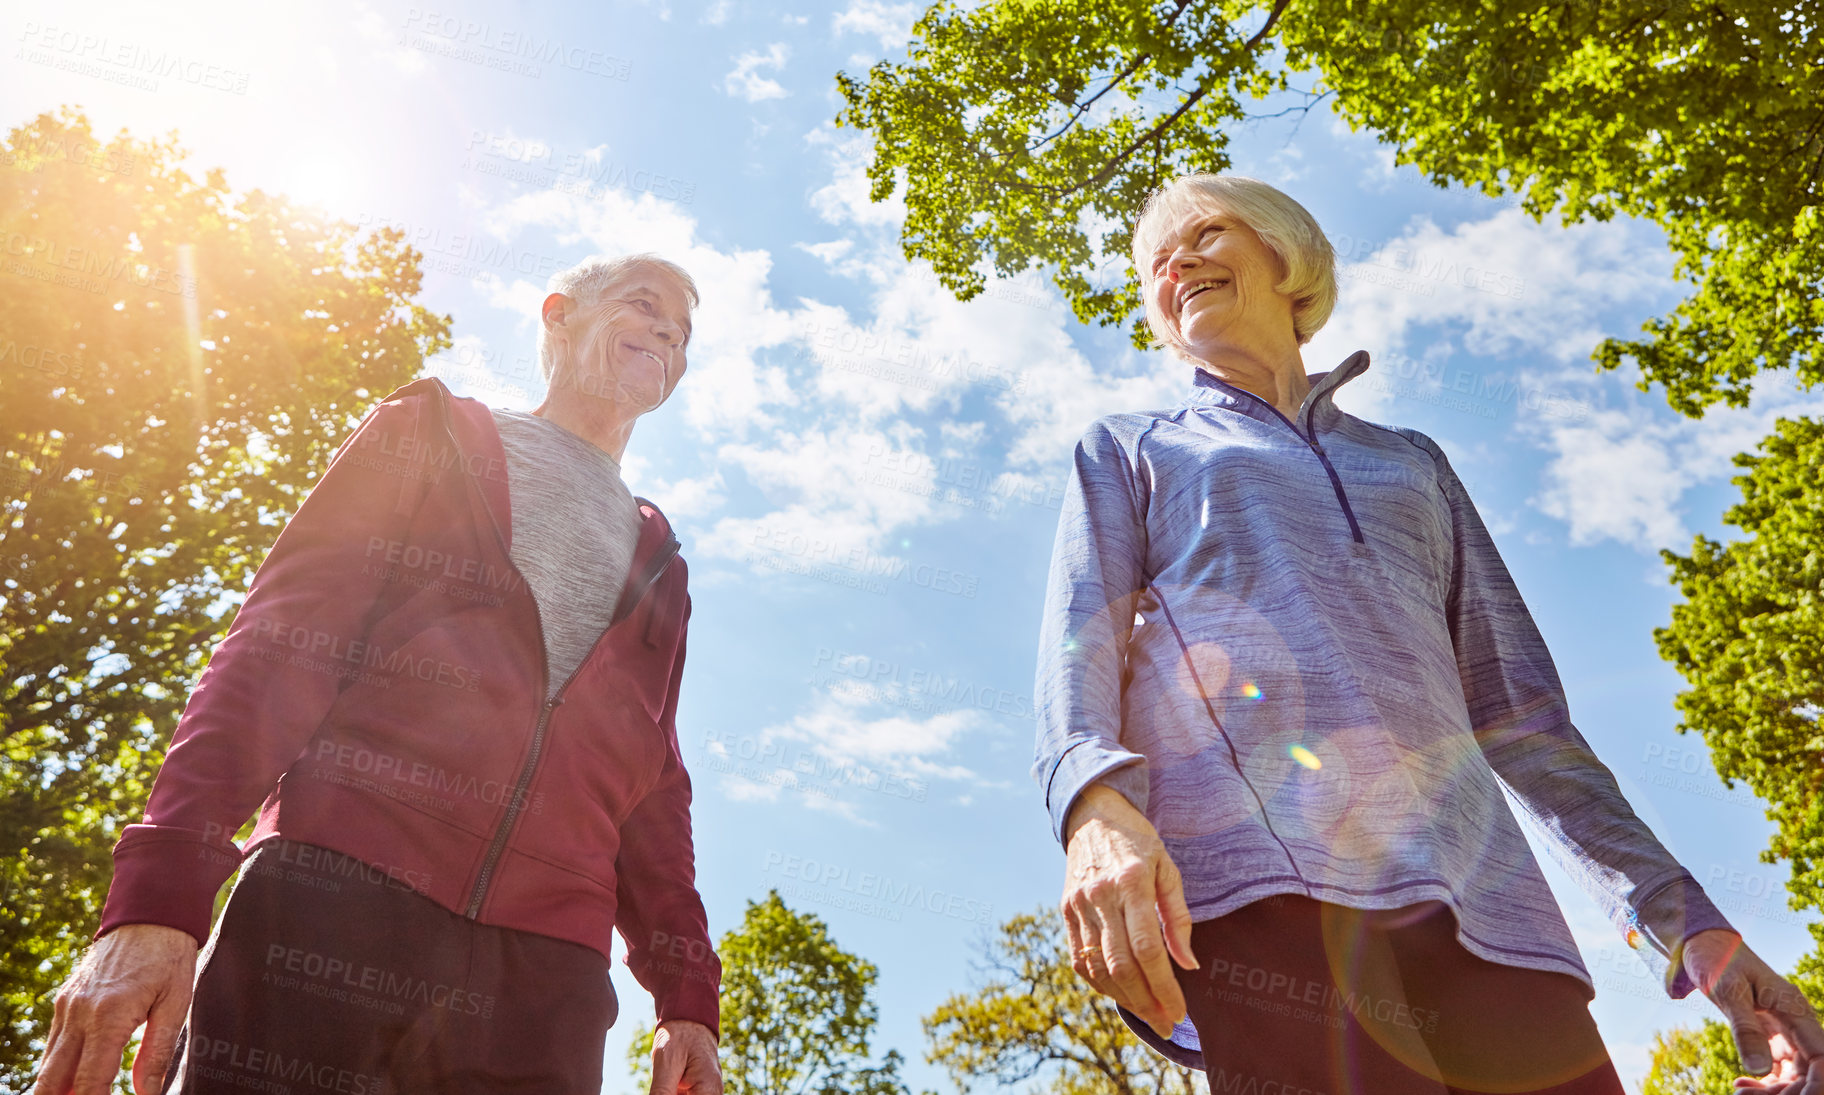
324	975
1324	999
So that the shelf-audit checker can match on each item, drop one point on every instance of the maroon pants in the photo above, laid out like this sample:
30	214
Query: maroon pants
325	975
1325	1000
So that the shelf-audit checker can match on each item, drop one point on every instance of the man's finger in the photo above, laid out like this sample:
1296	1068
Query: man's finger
710	1080
667	1069
1814	1078
1175	913
100	1061
60	1058
164	1027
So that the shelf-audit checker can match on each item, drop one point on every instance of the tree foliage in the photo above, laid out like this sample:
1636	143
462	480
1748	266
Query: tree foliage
1033	1017
1749	640
177	362
1693	1062
1019	131
796	1011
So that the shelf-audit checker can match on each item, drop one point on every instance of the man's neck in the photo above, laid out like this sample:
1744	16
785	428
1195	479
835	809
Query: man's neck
593	420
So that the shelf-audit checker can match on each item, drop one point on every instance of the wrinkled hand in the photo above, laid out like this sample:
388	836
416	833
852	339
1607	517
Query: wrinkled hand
1776	1032
684	1059
1119	885
139	973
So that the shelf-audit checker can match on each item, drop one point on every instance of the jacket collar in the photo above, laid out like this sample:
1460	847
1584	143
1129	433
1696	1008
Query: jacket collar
1207	390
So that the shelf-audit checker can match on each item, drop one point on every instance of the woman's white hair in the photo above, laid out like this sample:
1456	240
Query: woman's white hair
587	283
1282	224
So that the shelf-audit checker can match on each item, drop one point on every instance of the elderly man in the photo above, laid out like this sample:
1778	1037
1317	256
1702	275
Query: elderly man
450	695
1285	684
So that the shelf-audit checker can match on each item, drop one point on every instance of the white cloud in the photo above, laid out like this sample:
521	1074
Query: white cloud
891	23
717	13
830	252
1621	474
387	42
844	199
1503	284
828	754
899	744
744	80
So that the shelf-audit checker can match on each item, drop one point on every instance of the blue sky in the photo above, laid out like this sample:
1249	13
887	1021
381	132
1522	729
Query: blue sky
865	473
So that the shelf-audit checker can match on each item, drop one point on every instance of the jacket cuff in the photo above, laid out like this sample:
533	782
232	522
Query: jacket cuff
1087	762
166	877
1670	915
691	992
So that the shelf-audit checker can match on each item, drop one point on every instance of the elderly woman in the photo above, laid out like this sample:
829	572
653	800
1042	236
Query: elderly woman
1284	679
450	694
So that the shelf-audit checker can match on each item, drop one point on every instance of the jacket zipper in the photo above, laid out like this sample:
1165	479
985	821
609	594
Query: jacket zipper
516	803
1311	442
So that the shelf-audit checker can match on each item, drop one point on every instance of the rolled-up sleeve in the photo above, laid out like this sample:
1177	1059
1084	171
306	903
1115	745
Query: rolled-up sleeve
1097	572
1521	720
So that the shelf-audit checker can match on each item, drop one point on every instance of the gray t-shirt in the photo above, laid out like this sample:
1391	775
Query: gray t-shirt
575	524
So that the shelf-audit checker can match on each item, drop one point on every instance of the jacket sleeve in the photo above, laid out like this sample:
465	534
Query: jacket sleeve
270	680
1090	598
1521	720
660	914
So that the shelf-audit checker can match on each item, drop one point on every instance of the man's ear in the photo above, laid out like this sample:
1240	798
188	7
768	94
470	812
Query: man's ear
556	307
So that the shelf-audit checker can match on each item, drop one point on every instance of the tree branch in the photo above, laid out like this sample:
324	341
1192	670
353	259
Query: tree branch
1115	81
1108	169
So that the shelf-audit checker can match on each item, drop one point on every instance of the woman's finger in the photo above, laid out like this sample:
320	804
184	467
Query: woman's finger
1735	999
1146	942
1113	907
1175	913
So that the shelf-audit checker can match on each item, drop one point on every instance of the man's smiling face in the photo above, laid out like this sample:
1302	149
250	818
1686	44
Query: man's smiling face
632	347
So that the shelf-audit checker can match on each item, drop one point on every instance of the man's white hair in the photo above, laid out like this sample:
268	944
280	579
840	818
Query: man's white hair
1282	224
586	283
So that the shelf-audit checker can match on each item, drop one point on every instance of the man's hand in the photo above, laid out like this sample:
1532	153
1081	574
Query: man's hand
1119	884
684	1060
139	973
1776	1032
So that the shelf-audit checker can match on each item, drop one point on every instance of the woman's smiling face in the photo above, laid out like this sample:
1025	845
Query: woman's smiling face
1213	280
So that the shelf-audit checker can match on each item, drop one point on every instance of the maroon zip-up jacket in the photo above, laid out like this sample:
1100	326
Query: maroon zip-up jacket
381	690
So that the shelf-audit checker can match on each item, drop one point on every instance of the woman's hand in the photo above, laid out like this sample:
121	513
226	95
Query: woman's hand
1776	1032
1119	884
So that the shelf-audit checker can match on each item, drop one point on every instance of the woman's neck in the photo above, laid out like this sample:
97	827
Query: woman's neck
1276	376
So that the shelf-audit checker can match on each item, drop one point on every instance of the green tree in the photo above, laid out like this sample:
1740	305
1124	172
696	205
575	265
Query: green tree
1019	131
795	1012
1693	1062
1749	640
177	362
1033	1016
